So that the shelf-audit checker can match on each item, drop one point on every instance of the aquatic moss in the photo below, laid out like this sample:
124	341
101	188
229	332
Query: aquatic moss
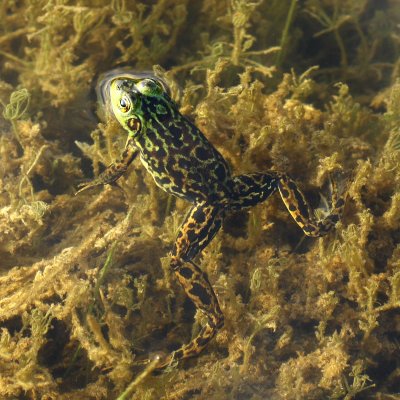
85	289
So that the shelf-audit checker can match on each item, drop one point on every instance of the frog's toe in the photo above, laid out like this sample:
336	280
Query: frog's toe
160	359
87	185
338	181
331	197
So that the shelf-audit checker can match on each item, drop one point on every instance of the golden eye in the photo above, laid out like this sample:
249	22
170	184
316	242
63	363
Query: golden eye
124	104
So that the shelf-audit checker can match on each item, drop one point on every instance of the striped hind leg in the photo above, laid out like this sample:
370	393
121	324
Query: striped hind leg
200	226
252	189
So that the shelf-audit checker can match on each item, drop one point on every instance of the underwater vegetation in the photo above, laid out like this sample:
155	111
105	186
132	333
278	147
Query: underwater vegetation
305	87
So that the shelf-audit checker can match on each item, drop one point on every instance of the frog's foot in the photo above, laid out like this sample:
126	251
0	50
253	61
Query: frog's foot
162	360
202	295
324	218
329	203
108	176
193	348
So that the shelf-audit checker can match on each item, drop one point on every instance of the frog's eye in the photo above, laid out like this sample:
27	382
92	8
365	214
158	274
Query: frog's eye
150	87
124	104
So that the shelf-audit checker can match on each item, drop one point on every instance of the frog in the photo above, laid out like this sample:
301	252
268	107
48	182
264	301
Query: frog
185	164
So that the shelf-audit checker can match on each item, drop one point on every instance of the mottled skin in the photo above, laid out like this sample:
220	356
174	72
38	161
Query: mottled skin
184	163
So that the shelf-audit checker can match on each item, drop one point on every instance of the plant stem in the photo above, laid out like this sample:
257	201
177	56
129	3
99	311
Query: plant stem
285	33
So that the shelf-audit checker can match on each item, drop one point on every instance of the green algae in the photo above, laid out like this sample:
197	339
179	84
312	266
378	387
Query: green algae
85	288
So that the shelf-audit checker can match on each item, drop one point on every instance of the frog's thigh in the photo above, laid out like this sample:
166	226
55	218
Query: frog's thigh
201	224
252	189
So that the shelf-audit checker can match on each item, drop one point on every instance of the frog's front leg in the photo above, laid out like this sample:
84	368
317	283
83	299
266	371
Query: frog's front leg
200	226
251	189
114	170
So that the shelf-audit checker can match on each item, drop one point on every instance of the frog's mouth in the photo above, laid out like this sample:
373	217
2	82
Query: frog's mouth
104	84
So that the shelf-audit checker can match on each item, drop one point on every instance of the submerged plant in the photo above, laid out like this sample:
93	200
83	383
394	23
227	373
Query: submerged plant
86	292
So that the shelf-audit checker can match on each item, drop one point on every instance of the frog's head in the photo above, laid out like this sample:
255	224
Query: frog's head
137	101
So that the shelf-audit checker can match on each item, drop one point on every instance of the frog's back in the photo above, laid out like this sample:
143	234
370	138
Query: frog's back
180	158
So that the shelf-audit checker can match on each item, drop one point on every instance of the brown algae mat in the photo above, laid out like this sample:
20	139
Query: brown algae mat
309	88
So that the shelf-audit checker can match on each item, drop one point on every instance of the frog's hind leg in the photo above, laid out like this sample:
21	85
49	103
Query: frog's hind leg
251	189
200	226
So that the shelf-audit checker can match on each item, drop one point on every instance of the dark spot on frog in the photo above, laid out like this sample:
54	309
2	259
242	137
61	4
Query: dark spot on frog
199	291
187	273
203	153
